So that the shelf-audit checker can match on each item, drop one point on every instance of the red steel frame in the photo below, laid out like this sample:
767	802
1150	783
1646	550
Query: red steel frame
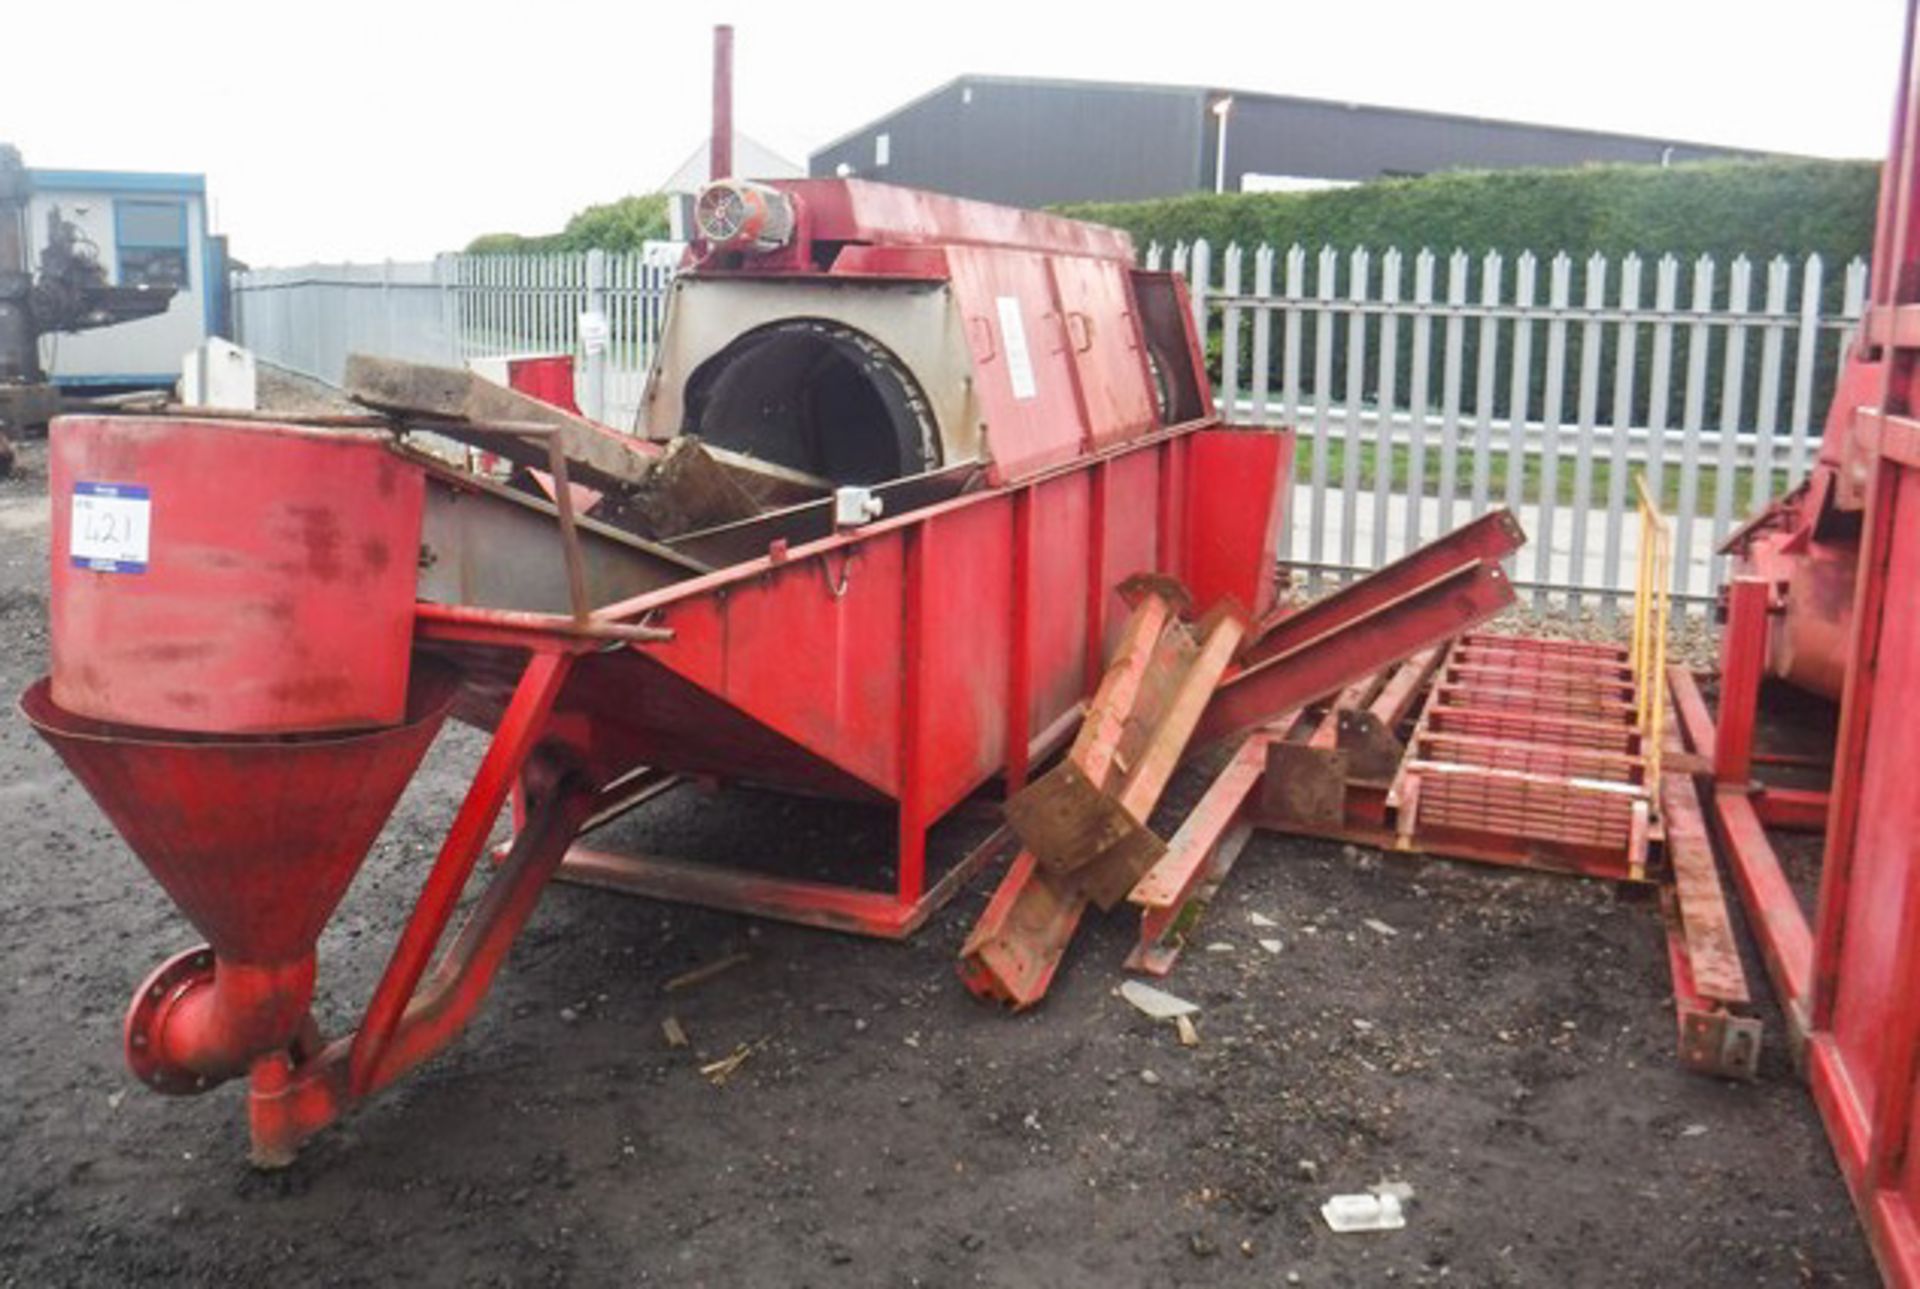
1740	809
1199	857
1863	1013
1531	723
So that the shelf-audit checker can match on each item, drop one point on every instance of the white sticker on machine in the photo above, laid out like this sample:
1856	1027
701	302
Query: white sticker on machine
111	525
1014	332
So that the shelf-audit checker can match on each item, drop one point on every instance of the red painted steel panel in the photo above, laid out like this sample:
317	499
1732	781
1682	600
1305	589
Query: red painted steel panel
1233	515
1132	544
690	728
1022	376
547	377
1059	622
1868	998
1102	336
796	672
810	648
965	651
273	589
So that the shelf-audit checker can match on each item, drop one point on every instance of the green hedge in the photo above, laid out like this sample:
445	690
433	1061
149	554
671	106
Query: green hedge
1721	208
621	225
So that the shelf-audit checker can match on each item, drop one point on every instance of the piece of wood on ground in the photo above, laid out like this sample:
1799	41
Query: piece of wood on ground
705	972
718	1072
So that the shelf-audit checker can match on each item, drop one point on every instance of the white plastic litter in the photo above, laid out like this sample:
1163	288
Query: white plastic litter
1157	1003
1347	1213
1271	946
1262	921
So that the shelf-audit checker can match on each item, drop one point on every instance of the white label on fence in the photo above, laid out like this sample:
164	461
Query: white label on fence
1013	331
111	522
594	331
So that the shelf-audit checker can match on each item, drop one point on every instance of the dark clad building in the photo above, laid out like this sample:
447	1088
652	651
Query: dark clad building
1036	142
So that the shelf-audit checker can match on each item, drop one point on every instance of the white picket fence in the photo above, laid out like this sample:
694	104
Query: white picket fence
1420	404
503	304
1403	385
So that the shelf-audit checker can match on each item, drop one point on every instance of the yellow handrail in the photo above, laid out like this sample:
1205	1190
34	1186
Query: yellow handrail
1648	650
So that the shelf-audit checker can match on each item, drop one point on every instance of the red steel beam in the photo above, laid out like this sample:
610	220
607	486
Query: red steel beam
1488	539
1394	703
1712	953
1198	859
1779	923
1374	633
513	741
1696	722
1792	809
1016	947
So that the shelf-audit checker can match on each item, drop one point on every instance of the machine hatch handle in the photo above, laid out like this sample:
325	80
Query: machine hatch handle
1080	332
982	330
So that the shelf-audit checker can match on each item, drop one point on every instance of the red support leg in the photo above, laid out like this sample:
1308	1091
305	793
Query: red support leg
1743	657
290	1102
513	741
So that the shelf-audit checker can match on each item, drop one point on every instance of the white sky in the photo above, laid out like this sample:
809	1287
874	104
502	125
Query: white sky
355	130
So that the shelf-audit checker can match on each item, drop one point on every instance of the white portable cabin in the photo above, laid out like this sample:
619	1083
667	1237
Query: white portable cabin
147	227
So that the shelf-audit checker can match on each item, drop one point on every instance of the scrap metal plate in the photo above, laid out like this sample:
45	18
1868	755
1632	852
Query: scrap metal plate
1305	785
1066	821
1082	836
1373	753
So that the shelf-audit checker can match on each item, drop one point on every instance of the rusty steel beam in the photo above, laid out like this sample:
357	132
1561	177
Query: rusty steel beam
817	904
1370	735
1695	723
1713	1039
1780	925
1015	948
1709	983
1396	699
1097	837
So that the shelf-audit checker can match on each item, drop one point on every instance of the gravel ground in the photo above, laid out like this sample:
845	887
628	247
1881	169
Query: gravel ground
1501	1042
